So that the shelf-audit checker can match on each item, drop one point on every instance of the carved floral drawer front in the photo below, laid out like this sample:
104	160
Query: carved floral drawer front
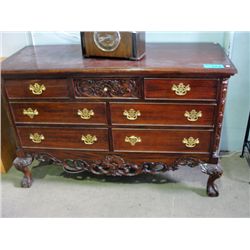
162	114
161	140
60	112
70	138
181	89
37	88
107	88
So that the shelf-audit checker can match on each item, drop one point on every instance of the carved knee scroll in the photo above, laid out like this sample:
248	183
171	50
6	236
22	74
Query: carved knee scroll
21	164
214	172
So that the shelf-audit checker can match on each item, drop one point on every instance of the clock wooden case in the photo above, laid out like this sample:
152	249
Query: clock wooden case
118	117
115	44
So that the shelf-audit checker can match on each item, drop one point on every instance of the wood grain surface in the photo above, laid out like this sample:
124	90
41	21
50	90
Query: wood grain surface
160	140
162	114
200	89
19	88
59	113
64	138
161	59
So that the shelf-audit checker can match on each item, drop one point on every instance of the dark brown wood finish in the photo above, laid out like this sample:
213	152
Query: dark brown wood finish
8	145
161	59
137	158
222	94
131	46
107	88
200	89
170	130
65	138
161	114
61	113
20	88
115	165
159	140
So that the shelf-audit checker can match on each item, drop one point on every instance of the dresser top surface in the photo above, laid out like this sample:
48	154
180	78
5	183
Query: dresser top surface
161	58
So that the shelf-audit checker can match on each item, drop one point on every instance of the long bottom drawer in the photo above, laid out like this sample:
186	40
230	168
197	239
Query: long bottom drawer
161	140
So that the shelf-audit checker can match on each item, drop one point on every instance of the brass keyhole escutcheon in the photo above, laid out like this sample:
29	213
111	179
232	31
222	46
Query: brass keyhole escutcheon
181	89
131	114
37	89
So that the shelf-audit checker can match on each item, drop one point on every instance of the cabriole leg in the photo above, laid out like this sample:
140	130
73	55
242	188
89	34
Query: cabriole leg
21	164
214	172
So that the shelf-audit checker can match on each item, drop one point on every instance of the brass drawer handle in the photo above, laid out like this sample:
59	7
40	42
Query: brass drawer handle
193	115
89	139
37	89
190	142
132	139
85	113
181	89
36	138
30	112
131	114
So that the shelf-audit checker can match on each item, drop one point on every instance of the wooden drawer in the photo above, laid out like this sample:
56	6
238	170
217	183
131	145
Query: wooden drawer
161	140
70	138
162	114
181	89
36	89
59	113
129	88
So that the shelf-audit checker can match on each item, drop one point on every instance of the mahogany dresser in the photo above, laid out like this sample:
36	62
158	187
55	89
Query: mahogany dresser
118	117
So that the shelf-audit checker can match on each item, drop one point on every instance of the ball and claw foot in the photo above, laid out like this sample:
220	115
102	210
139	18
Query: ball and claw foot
21	164
214	172
26	182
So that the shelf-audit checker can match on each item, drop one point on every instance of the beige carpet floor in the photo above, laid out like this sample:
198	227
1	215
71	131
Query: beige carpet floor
174	194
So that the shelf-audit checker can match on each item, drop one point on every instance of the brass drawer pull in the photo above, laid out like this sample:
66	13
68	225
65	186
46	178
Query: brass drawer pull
132	139
190	142
30	112
36	138
193	115
85	113
89	139
131	114
37	89
181	89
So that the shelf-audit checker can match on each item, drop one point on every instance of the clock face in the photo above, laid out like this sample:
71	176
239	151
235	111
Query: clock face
107	41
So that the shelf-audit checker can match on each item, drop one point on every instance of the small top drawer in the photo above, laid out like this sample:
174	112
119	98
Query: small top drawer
40	89
119	88
181	89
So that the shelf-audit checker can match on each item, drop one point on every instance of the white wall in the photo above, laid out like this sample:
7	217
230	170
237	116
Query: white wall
13	41
238	102
156	37
42	38
238	99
